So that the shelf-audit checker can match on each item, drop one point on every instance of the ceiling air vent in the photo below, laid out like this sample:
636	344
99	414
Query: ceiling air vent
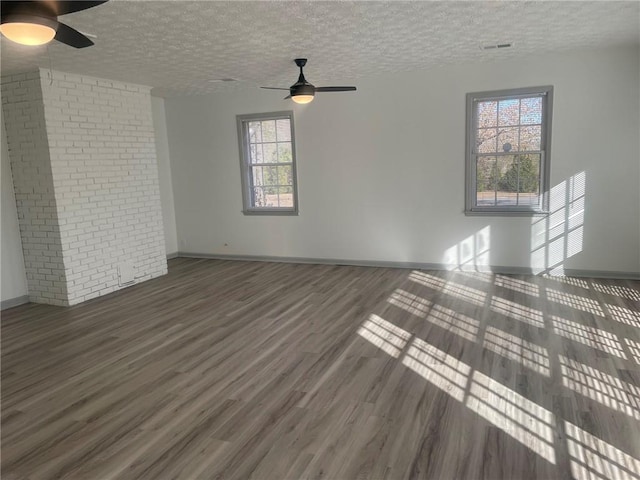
494	46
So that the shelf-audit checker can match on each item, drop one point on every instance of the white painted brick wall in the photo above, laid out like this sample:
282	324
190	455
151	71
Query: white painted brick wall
33	184
103	172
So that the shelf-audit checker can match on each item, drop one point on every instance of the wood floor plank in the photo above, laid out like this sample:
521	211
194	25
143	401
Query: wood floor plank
239	370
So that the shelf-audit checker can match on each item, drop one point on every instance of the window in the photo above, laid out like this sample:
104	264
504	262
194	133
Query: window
508	140
268	163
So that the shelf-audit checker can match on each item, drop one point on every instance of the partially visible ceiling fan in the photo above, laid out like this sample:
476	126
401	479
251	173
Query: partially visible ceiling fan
36	22
302	91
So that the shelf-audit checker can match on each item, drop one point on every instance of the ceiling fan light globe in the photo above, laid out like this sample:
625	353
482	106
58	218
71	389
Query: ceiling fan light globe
302	99
29	30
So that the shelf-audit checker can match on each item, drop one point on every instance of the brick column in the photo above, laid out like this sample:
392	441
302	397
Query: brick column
82	152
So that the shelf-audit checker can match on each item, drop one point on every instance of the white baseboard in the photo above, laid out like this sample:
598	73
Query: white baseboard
416	265
14	302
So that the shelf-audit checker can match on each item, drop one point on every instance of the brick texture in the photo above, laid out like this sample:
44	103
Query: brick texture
82	151
28	145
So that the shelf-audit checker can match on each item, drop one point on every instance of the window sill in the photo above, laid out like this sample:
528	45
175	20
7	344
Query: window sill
506	213
279	212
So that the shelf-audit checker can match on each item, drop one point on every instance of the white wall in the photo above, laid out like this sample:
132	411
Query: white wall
381	170
164	174
13	277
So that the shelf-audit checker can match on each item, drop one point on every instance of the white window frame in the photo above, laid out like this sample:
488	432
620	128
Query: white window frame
245	164
471	207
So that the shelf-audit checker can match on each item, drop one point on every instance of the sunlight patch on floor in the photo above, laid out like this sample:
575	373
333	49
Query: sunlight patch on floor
593	458
600	387
469	294
518	312
575	301
454	322
590	336
517	285
523	420
625	315
528	354
481	276
431	281
576	282
618	291
527	422
384	335
437	367
409	302
634	347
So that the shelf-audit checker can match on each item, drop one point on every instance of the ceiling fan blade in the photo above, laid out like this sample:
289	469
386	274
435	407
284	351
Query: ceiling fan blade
67	35
62	7
335	89
274	88
9	8
287	97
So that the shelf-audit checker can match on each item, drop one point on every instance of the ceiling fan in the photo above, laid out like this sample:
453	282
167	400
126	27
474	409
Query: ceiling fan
36	22
302	91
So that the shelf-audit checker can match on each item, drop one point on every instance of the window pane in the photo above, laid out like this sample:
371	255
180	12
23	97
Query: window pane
508	139
284	152
286	196
255	133
283	130
269	131
529	179
270	152
518	180
529	199
485	181
507	171
258	176
270	175
530	138
508	180
508	112
256	153
531	111
259	198
271	196
487	114
285	175
486	140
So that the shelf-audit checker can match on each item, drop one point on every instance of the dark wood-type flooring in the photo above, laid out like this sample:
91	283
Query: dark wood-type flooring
238	370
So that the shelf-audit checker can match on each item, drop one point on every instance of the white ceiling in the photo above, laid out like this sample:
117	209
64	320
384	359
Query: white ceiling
180	47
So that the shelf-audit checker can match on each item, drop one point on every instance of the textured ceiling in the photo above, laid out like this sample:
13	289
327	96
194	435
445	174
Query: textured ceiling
182	47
